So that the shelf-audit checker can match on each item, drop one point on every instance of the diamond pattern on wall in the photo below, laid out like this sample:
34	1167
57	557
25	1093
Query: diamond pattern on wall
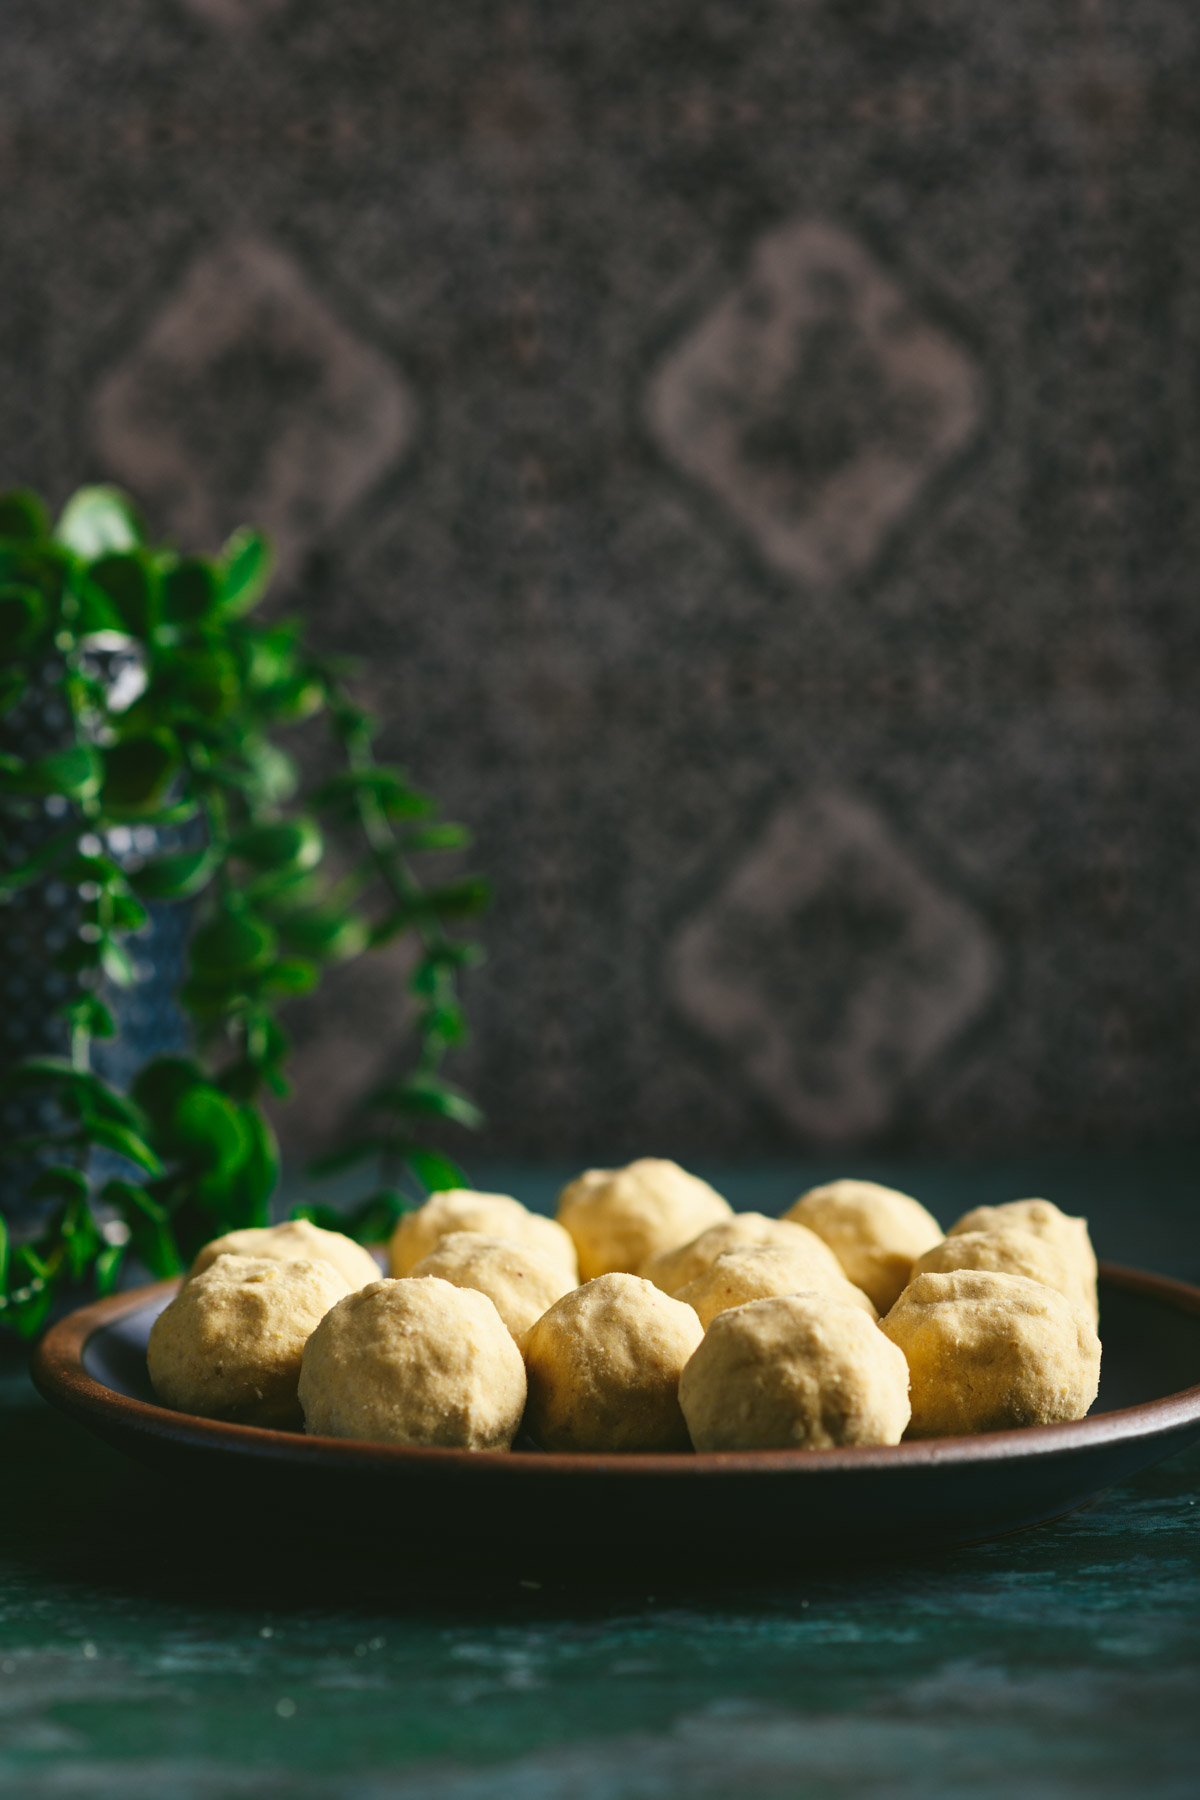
249	399
816	402
830	967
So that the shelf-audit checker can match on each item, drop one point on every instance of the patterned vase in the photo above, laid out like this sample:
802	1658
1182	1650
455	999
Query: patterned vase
39	920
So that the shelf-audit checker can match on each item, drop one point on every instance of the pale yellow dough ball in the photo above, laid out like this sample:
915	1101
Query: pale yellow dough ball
1004	1251
988	1352
796	1371
875	1233
415	1362
518	1279
229	1345
672	1269
604	1366
295	1238
462	1209
758	1271
619	1218
1043	1219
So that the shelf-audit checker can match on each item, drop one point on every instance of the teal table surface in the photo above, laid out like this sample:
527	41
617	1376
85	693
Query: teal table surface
148	1651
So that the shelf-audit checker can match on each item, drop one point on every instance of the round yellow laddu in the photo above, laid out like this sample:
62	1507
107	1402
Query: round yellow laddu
672	1269
517	1278
1043	1219
796	1371
415	1362
619	1218
295	1238
875	1233
758	1271
462	1209
988	1352
229	1345
604	1365
1003	1251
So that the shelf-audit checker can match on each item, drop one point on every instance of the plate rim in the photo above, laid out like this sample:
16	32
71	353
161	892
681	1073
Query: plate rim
61	1378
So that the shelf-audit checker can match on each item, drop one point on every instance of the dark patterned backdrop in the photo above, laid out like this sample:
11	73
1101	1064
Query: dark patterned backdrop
755	445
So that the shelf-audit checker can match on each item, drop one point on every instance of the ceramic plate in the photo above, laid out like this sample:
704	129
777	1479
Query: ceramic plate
529	1505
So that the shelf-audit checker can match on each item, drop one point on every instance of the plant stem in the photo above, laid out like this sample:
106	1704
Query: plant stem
388	856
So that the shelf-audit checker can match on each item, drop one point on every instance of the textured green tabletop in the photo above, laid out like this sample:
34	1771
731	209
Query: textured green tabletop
145	1655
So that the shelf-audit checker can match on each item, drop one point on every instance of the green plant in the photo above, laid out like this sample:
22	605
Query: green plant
196	750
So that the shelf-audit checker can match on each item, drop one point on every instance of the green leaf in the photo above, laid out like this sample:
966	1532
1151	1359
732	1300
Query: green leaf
13	686
43	566
94	611
23	515
179	812
231	945
150	1233
394	925
202	682
3	1255
190	592
444	1023
28	1316
288	702
287	890
375	1218
176	875
388	786
434	1171
460	899
258	1176
89	1014
107	1269
129	1198
372	1221
267	1047
117	963
138	771
329	1218
130	584
270	656
90	1093
289	977
23	613
128	914
436	837
245	571
430	976
268	776
80	1236
207	1002
291	844
438	965
99	869
209	1131
74	774
158	1088
44	858
27	1262
126	1143
426	1094
327	936
58	1184
99	520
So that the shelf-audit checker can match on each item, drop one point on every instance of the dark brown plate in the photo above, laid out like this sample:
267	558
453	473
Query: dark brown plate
534	1507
